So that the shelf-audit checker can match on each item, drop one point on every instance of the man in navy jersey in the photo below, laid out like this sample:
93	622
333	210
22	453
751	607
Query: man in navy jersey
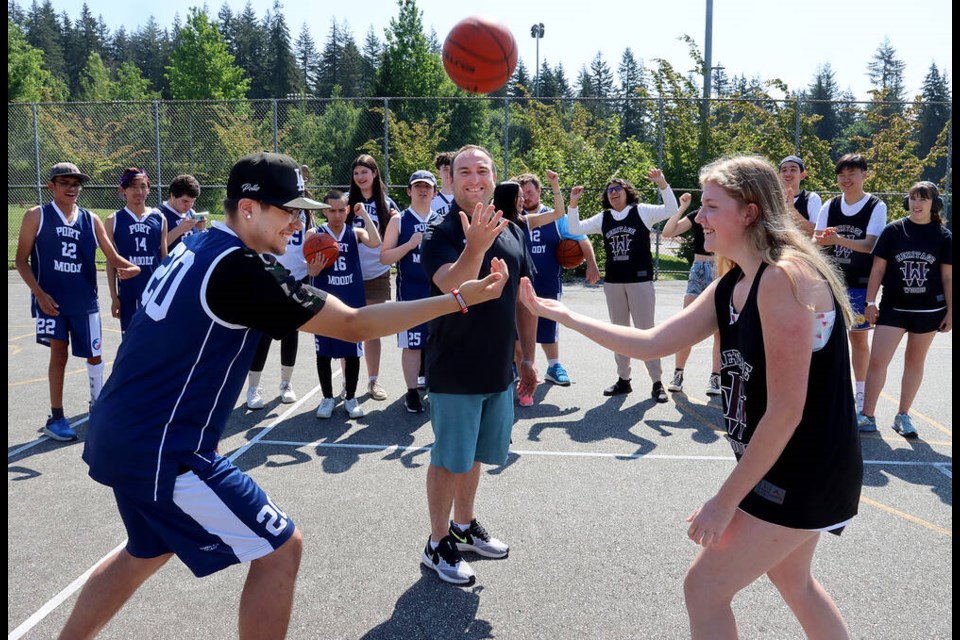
182	220
548	281
56	257
154	435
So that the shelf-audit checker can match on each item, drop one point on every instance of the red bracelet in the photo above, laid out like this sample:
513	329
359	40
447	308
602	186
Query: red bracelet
459	299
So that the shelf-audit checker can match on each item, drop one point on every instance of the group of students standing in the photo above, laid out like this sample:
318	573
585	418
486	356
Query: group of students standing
780	310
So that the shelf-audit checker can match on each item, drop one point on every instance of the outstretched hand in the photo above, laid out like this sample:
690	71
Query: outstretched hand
544	307
483	228
477	291
656	176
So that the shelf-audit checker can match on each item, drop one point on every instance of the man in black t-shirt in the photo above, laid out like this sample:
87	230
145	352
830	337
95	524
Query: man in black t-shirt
468	360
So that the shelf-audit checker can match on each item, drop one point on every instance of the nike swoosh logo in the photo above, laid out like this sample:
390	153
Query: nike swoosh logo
457	535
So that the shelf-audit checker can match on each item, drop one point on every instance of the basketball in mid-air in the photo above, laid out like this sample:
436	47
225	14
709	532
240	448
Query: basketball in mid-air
322	243
569	254
479	54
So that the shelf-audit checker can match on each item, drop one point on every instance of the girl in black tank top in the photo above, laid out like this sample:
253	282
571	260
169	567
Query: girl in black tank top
788	406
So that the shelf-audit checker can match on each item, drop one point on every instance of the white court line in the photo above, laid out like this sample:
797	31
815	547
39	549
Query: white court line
74	586
572	454
30	445
946	468
56	600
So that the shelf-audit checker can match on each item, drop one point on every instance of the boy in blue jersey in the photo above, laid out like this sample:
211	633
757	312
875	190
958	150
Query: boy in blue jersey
139	234
401	246
56	257
182	220
154	436
548	282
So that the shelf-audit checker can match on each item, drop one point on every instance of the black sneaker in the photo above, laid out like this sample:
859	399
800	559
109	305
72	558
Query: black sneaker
620	387
477	539
677	383
448	563
658	393
412	401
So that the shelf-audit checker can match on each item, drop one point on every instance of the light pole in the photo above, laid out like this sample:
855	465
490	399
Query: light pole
536	32
707	71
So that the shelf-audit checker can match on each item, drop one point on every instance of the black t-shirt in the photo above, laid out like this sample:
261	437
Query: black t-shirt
914	254
697	229
243	290
471	353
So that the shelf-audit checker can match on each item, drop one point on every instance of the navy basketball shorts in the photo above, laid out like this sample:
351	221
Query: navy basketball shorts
214	519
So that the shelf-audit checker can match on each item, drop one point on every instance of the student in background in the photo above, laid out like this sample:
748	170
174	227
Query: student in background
182	220
803	206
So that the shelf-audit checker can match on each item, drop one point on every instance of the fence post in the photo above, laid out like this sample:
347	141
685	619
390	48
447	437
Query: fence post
948	202
386	144
796	134
660	131
506	136
156	121
36	153
276	147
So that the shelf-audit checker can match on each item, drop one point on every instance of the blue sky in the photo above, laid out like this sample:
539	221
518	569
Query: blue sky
763	38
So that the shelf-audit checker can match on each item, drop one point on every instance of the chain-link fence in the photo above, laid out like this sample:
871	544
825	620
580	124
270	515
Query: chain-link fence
586	140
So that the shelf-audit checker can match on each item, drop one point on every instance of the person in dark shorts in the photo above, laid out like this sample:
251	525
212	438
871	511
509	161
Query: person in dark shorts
782	312
154	435
913	261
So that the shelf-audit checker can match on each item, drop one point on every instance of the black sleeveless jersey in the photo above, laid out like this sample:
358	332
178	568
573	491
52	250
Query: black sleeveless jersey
627	245
800	204
815	483
854	264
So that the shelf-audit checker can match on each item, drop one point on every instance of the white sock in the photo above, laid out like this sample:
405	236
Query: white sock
286	373
254	378
550	363
860	387
433	543
372	378
95	373
462	527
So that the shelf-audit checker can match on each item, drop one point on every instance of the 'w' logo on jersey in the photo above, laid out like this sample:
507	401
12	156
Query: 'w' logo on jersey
914	273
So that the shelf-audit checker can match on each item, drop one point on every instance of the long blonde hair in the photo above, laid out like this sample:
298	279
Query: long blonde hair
753	180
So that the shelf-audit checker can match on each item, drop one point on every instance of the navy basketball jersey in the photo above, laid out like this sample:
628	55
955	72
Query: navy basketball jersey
441	203
159	367
542	243
370	256
412	281
627	245
345	281
854	264
815	483
174	218
138	240
63	261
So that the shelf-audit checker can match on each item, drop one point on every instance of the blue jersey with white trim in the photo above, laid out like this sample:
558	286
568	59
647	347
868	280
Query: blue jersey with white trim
182	365
412	281
138	240
64	261
345	278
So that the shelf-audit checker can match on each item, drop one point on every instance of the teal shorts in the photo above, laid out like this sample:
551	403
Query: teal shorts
470	428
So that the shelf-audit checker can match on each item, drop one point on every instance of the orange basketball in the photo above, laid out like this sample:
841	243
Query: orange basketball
569	254
322	243
479	54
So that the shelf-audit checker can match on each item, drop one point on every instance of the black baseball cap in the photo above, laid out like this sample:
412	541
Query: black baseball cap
67	170
273	178
795	159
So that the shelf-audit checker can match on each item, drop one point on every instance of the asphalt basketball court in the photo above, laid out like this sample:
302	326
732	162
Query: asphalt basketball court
593	502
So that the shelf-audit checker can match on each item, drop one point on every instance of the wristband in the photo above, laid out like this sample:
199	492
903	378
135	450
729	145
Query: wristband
870	304
459	299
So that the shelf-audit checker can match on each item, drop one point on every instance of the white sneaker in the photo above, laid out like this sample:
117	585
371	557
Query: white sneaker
287	394
254	398
353	408
325	410
376	390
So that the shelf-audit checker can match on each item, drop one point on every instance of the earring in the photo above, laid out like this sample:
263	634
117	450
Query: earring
248	216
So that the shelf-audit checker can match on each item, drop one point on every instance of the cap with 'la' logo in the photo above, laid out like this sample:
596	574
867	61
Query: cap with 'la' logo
273	178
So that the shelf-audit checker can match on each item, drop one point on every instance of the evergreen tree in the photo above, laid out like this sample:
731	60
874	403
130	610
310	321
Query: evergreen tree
330	62
200	67
356	77
633	112
372	58
45	32
308	60
131	85
563	86
519	84
120	48
84	40
249	47
934	115
283	78
547	83
151	50
885	71
823	91
17	15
